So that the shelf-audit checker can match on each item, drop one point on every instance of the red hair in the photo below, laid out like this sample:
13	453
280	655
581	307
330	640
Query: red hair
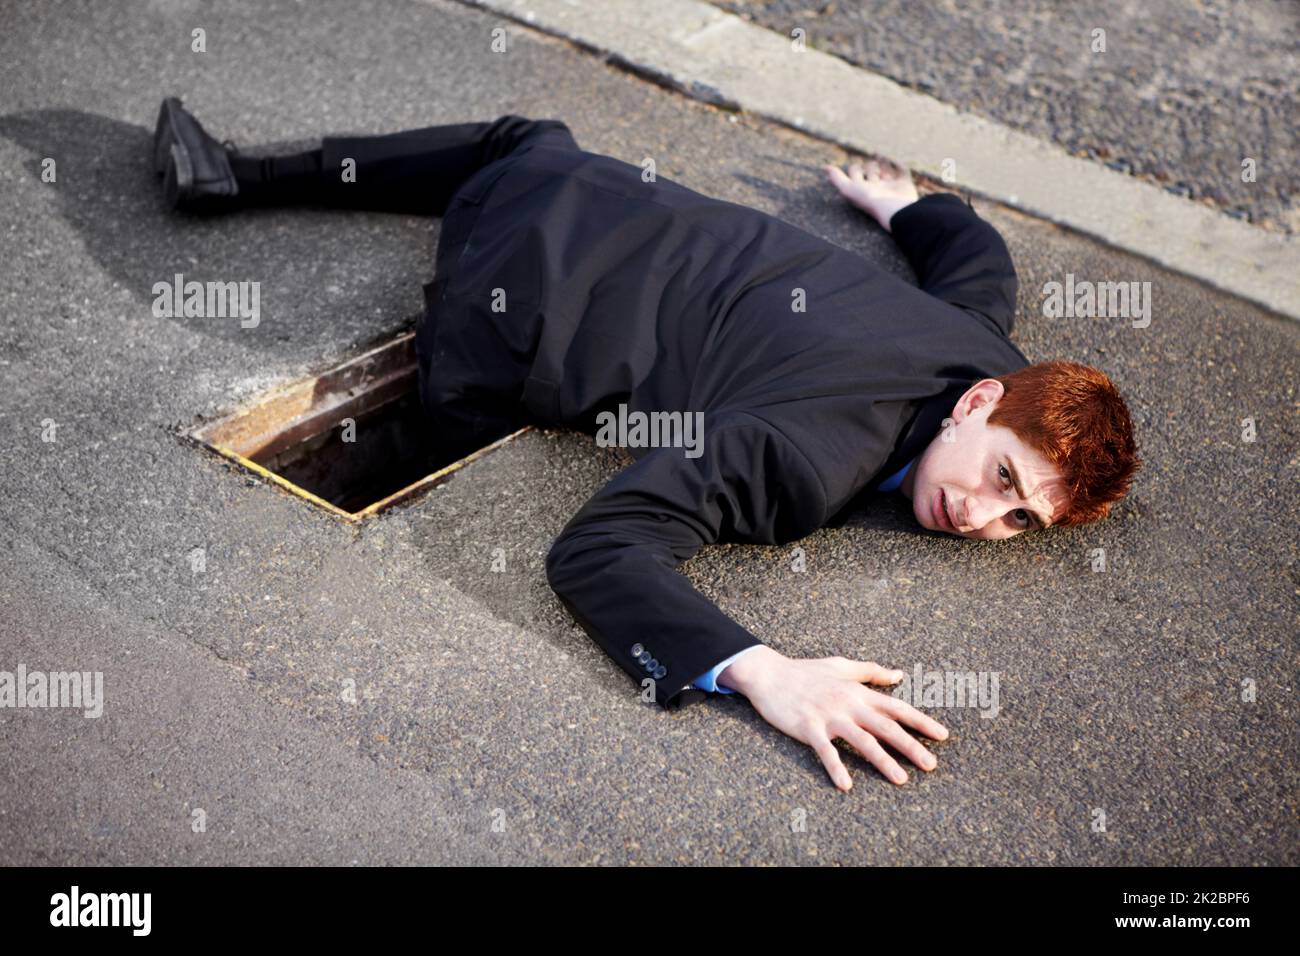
1074	416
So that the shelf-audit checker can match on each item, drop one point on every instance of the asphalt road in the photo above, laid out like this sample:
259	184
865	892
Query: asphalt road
326	695
1181	94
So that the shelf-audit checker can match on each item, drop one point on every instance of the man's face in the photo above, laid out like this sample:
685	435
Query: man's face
965	482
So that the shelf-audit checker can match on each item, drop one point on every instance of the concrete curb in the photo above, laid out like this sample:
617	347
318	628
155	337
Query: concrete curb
717	57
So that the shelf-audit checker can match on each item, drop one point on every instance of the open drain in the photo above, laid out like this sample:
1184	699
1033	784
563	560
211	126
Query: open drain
352	440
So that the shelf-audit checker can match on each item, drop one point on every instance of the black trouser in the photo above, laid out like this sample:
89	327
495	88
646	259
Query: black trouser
415	171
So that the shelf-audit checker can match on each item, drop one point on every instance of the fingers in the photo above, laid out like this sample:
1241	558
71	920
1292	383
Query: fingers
857	173
863	174
873	673
868	671
830	758
898	738
872	170
870	748
865	719
891	170
875	171
905	713
835	174
842	183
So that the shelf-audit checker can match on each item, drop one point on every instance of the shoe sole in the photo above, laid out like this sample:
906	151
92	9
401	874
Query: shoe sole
165	134
178	176
170	157
173	161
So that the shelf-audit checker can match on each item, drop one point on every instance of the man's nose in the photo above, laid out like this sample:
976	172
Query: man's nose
980	511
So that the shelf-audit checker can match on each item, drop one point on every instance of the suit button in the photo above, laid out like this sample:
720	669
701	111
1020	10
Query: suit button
661	672
645	656
636	650
651	665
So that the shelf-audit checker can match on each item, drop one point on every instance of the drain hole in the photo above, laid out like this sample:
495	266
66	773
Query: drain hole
353	439
391	449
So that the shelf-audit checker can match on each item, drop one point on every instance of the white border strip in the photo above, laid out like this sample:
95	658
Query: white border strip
715	56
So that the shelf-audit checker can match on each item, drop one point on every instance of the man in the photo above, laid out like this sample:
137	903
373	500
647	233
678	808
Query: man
568	284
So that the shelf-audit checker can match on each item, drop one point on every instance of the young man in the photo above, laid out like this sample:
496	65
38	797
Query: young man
568	284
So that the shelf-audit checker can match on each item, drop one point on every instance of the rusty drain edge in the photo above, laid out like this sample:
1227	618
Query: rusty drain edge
429	480
375	507
284	483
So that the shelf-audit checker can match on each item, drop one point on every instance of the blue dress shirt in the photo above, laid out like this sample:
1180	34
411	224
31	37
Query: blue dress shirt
891	484
709	680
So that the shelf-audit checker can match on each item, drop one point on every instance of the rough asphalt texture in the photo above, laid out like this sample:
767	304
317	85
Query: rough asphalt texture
329	696
1185	90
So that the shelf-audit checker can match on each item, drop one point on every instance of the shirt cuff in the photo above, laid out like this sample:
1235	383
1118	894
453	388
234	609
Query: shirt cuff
709	679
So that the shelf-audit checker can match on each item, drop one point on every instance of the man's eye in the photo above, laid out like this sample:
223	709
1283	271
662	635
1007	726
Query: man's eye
1004	474
1022	516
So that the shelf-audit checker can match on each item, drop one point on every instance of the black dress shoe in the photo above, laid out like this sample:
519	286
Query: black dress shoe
195	167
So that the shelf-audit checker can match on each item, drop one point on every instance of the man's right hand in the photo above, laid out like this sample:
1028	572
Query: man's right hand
818	700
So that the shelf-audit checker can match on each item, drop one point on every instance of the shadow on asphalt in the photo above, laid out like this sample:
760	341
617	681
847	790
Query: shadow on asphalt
107	191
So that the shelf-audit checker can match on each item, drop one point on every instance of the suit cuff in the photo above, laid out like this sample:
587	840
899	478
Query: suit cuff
709	679
927	204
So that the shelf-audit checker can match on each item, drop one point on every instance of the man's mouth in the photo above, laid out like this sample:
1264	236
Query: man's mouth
941	513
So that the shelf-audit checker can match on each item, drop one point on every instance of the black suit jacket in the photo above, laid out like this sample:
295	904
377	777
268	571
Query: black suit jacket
565	285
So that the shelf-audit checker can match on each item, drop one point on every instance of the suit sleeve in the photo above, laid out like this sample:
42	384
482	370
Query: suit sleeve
958	257
614	565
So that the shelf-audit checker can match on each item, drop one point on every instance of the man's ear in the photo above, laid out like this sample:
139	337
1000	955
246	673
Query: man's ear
984	392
